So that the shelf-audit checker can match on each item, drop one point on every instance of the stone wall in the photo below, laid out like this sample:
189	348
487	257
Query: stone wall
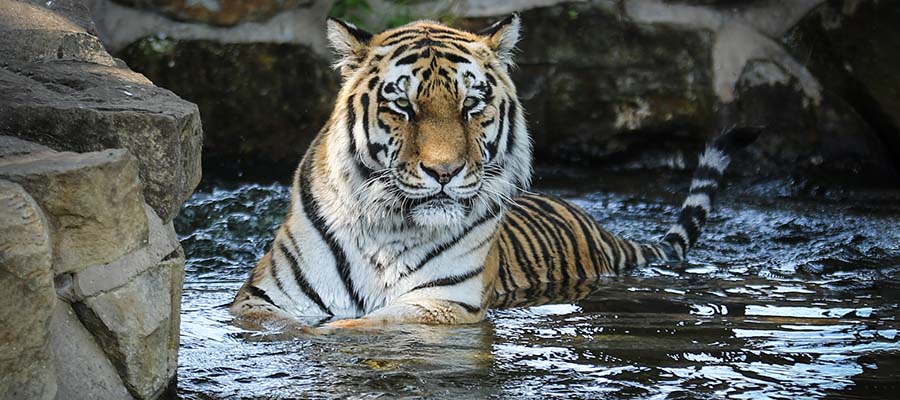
95	162
620	83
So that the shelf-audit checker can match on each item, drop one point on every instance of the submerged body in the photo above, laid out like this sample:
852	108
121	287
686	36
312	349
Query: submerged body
409	207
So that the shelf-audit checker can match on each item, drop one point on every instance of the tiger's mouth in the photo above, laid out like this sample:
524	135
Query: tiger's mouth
439	210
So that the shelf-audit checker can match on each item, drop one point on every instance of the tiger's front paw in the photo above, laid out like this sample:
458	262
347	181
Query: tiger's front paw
355	323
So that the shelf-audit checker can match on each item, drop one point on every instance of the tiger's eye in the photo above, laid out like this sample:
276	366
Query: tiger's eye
402	103
470	102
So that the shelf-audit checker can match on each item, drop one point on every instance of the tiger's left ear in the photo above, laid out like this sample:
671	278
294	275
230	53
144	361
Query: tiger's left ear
502	37
350	43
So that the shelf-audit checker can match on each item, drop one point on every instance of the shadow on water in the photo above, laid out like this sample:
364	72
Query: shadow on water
784	297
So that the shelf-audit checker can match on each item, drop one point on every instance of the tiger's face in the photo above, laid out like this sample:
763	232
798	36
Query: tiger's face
432	116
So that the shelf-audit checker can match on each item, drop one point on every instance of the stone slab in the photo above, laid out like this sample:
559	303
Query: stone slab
97	279
135	326
82	368
27	282
61	88
93	203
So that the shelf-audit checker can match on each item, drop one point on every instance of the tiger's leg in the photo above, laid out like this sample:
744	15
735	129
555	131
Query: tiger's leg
253	307
431	312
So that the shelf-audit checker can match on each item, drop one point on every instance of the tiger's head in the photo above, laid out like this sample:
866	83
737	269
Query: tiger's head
431	119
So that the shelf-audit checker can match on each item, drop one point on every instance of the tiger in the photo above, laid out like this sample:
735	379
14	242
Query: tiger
412	204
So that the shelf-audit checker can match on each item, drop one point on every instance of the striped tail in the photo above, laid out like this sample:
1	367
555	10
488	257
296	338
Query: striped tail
682	236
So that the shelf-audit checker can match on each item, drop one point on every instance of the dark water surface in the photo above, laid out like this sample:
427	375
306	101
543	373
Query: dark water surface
785	297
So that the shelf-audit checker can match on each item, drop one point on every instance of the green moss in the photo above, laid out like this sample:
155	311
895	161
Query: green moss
350	10
399	13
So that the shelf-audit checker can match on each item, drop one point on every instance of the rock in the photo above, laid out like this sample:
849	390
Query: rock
93	201
824	141
288	22
83	371
61	89
598	86
27	282
32	34
218	12
284	96
854	49
97	279
136	325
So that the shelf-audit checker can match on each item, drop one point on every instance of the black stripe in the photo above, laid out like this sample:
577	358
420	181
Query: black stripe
707	173
468	307
691	227
630	255
399	50
448	37
373	148
257	292
503	270
301	280
452	57
510	137
311	208
548	226
584	224
676	240
520	254
450	243
480	244
496	26
361	168
392	40
274	271
410	59
491	79
499	129
540	240
451	280
565	227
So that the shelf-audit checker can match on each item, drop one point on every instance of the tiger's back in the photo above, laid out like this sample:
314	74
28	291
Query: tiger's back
546	240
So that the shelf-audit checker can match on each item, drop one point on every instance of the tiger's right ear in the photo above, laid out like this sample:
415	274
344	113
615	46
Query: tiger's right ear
350	43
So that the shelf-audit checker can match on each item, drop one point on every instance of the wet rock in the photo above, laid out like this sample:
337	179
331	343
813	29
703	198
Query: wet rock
218	12
136	325
27	282
283	96
854	49
82	369
596	85
814	141
93	201
58	87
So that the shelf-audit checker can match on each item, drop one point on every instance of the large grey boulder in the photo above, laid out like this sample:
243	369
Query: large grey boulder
28	298
82	369
137	326
93	200
854	49
59	87
107	158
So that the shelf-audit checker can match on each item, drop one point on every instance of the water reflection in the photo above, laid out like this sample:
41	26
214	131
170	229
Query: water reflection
783	298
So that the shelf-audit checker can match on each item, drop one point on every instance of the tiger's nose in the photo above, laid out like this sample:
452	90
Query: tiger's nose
443	172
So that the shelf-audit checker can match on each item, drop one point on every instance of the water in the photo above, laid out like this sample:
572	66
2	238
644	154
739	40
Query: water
785	297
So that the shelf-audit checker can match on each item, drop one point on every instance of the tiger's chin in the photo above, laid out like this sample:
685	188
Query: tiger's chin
441	212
